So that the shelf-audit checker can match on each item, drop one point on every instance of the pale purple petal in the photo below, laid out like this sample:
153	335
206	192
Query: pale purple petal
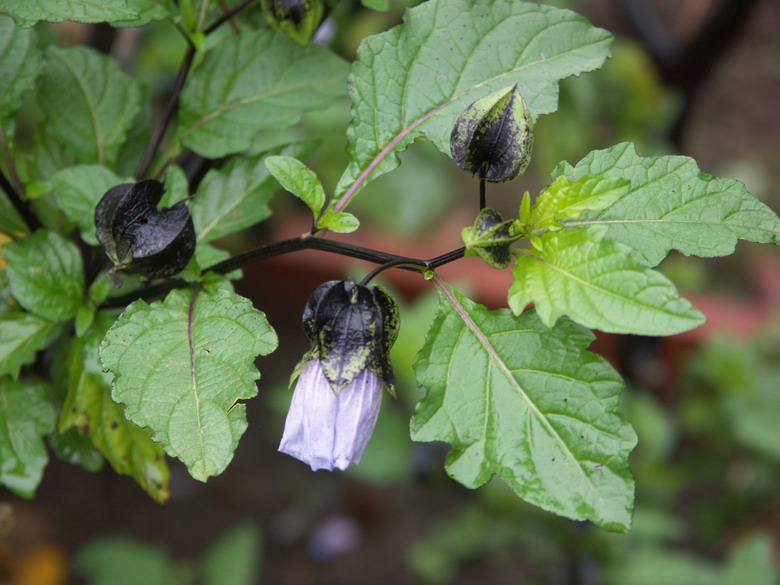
329	430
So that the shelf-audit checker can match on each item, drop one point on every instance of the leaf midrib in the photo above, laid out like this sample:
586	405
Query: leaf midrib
485	342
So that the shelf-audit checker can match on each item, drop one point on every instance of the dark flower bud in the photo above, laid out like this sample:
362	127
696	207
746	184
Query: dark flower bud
336	400
490	238
493	137
296	19
138	237
352	328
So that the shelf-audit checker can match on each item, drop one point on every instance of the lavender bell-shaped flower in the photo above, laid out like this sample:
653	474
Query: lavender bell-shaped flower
336	400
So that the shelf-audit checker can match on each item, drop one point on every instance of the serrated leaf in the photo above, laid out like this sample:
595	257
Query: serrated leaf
89	407
599	284
22	335
78	190
46	274
89	103
25	417
255	81
673	205
182	367
147	11
565	199
528	404
20	63
28	12
236	196
298	179
417	78
340	222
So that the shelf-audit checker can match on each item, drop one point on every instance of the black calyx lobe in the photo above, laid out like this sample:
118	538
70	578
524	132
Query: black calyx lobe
352	328
138	237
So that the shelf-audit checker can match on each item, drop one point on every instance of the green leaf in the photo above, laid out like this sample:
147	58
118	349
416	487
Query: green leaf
236	196
565	199
25	417
298	179
673	205
46	274
148	10
752	562
382	5
89	103
193	353
529	404
22	335
28	12
255	81
117	560
339	221
89	408
78	190
234	559
599	284
20	63
176	186
74	448
10	220
417	78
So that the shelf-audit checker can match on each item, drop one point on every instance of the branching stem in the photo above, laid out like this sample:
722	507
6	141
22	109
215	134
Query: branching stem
305	242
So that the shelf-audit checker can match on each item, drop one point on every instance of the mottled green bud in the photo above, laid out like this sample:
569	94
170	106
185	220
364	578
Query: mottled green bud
494	136
296	19
138	237
490	238
352	328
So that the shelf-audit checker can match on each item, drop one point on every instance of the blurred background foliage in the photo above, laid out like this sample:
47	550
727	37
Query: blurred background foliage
705	405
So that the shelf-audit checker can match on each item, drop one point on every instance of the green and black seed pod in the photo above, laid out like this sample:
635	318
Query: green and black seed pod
490	238
138	237
296	19
352	328
494	136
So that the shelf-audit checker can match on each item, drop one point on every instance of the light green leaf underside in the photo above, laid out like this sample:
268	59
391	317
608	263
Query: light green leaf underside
89	407
20	63
89	103
46	274
78	190
256	81
25	417
673	205
237	196
417	78
182	371
28	12
598	284
529	404
22	335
